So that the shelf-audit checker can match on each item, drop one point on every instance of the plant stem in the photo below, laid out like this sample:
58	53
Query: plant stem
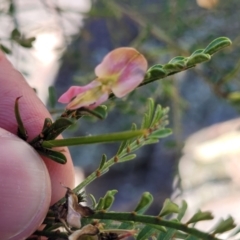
124	216
111	137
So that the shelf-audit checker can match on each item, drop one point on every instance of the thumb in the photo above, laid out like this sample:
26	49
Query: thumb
24	186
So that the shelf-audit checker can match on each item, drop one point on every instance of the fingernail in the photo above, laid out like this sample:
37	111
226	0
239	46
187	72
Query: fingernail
24	186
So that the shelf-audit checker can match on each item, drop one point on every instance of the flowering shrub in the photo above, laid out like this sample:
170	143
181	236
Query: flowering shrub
120	72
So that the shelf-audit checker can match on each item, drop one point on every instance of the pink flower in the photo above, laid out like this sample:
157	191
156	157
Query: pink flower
120	72
89	96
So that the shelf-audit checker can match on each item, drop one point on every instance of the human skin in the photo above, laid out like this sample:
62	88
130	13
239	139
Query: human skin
29	183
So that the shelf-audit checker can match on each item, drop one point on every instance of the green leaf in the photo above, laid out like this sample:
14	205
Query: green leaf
200	216
144	121
156	72
93	200
52	96
21	131
197	52
12	8
157	115
127	158
100	112
181	235
103	161
224	225
105	138
161	133
100	204
182	210
144	203
47	124
169	207
122	146
198	58
53	155
179	62
19	38
168	235
151	141
56	128
26	42
180	65
5	49
177	59
166	110
134	127
158	227
109	199
145	233
126	225
217	45
150	106
15	34
150	112
170	68
111	193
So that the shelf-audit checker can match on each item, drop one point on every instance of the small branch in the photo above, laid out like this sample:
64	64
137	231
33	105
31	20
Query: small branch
105	138
153	221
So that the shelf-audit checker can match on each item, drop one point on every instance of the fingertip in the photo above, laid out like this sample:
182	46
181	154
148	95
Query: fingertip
25	188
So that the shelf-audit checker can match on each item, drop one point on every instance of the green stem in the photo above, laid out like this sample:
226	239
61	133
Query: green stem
99	172
54	235
124	216
105	138
21	132
153	79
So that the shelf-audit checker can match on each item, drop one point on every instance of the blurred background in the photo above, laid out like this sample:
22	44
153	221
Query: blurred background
59	43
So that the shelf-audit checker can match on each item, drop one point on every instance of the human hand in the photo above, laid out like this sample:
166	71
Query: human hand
27	186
